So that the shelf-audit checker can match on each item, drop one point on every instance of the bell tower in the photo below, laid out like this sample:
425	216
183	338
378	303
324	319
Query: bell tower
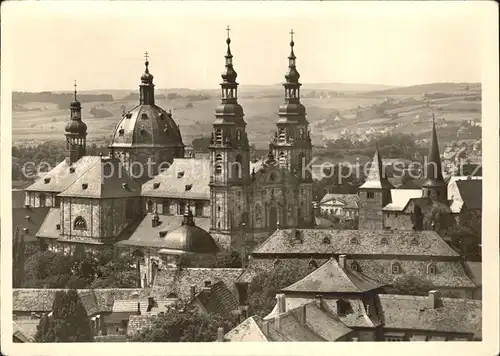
230	159
76	132
434	185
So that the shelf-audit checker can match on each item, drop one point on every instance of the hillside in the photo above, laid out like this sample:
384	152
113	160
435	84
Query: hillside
332	113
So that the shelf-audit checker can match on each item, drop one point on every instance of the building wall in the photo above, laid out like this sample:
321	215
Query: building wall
370	209
174	206
41	199
395	220
88	209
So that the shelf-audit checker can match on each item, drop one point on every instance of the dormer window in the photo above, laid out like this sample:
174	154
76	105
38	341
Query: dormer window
142	131
71	169
414	242
162	116
383	241
128	115
162	233
144	116
343	307
326	240
395	268
156	185
46	180
431	268
355	266
180	174
85	186
313	264
354	240
121	132
188	187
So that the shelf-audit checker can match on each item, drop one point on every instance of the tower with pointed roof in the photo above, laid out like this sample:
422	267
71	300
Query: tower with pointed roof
374	194
291	143
434	185
230	158
76	132
146	139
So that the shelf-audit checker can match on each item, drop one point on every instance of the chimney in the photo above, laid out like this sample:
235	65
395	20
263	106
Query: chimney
139	308
433	299
220	334
192	291
281	302
318	299
265	327
208	285
151	303
342	261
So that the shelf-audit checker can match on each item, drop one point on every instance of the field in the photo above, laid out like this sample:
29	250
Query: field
36	122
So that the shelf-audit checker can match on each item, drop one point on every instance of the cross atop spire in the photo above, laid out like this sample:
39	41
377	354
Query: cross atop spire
228	29
291	35
75	89
146	55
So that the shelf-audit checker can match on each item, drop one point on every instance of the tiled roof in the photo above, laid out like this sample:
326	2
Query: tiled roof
355	242
147	235
138	322
49	226
376	179
95	301
179	282
183	172
218	299
401	197
25	329
248	330
105	178
413	312
61	177
412	184
344	198
331	278
320	325
29	218
130	305
471	192
475	272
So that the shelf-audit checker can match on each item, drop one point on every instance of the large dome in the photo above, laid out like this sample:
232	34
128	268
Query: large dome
146	126
188	238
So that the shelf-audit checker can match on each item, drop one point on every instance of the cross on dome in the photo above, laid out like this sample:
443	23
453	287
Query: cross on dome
146	55
228	29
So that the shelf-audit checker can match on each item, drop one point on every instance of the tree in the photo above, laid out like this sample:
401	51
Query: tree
68	321
18	258
185	323
263	288
224	259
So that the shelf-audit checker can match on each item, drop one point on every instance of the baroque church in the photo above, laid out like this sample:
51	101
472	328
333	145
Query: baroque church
146	195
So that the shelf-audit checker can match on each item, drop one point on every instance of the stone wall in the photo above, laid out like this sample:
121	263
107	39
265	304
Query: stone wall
88	209
395	220
41	199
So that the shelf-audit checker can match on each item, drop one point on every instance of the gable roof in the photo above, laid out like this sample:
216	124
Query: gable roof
61	177
400	198
130	305
471	192
25	329
347	199
105	178
413	312
248	330
217	299
331	242
147	235
183	172
331	278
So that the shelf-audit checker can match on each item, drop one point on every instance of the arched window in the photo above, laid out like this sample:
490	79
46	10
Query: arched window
282	134
218	136
237	167
282	160
149	206
80	223
414	242
384	241
395	268
301	163
326	240
218	163
431	268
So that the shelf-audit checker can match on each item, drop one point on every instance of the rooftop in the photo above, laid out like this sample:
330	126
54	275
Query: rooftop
217	299
355	242
401	197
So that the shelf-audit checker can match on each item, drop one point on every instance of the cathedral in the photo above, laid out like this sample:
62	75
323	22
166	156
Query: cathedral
126	199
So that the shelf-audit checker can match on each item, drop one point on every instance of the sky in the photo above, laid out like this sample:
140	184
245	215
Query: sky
101	45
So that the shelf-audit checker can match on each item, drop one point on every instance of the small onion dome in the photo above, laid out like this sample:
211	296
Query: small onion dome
76	127
229	109
292	109
147	77
188	238
75	104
